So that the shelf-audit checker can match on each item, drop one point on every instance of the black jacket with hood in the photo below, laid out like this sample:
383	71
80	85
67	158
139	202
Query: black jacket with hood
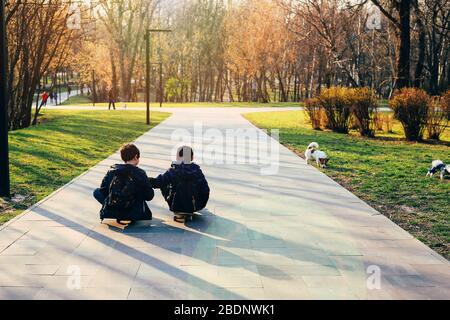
168	181
139	210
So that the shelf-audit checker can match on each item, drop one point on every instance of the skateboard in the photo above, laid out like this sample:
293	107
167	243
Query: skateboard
181	217
124	223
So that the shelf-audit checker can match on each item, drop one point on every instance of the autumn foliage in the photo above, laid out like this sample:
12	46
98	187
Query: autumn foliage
410	106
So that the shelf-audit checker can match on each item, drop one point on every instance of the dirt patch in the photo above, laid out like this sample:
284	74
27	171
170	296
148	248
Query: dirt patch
407	209
5	207
42	120
18	198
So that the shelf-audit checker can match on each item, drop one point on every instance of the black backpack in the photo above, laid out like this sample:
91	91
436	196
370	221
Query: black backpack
184	196
122	192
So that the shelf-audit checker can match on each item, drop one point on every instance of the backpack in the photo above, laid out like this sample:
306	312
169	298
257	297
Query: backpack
184	196
122	192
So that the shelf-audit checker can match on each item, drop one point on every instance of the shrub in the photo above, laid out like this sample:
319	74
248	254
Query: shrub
378	122
336	104
384	121
364	108
323	119
354	125
445	103
410	107
388	122
438	116
314	112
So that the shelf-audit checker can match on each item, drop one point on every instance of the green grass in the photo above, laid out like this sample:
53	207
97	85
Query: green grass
77	100
192	104
387	172
66	144
384	103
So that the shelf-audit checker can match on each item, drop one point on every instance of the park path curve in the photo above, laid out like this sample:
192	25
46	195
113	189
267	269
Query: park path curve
63	97
293	235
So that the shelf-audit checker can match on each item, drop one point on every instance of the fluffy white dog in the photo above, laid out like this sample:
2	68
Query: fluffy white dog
438	166
313	153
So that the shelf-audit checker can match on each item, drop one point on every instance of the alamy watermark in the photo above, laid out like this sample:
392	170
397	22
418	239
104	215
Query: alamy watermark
74	279
374	18
74	17
231	146
373	281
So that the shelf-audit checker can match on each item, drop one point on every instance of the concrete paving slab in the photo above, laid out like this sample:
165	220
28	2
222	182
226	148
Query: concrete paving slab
292	234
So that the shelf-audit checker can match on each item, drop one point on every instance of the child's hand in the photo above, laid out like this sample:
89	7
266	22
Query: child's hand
152	180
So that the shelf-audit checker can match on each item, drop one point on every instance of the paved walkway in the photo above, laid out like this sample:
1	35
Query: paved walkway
62	97
293	235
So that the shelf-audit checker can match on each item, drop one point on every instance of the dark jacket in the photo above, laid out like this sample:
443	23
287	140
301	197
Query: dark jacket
168	182
139	210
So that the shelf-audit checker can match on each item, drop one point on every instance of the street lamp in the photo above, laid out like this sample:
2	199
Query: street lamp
160	95
160	84
94	93
4	158
147	68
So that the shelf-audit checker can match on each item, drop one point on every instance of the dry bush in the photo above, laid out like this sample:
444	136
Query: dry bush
384	122
323	119
314	112
438	116
354	125
445	104
364	108
378	122
388	122
336	104
410	107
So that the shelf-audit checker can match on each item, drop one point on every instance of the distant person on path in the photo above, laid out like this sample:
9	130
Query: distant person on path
55	95
111	99
124	189
52	96
44	99
184	185
69	90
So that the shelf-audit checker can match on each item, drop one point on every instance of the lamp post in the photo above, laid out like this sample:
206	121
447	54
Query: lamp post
147	68
94	93
160	92
160	84
4	157
59	81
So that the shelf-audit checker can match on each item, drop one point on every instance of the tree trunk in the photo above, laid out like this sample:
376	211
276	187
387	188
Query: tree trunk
283	96
421	55
114	75
404	39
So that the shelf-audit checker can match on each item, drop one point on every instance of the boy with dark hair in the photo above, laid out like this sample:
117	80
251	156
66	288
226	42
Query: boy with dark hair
183	186
125	189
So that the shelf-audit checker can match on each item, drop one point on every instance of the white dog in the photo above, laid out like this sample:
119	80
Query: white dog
313	153
438	166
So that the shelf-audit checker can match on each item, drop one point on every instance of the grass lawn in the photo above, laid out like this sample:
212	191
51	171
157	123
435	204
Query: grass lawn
387	172
66	144
155	105
77	100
